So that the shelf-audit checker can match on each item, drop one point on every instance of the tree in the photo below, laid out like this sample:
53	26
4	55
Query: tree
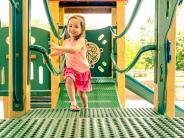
180	50
147	35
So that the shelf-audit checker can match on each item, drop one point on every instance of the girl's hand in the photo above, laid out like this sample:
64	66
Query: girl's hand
53	46
44	61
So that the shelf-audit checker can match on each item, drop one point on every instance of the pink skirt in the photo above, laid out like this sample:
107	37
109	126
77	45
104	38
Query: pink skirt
82	81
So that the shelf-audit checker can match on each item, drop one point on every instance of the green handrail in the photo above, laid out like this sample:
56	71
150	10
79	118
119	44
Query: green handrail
146	93
134	13
15	5
139	88
179	112
47	10
141	51
180	2
43	51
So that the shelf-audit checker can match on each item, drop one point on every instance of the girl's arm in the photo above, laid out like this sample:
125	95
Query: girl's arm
56	53
53	46
56	49
78	46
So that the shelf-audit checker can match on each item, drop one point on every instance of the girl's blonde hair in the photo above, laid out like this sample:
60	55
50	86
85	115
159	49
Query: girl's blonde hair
82	23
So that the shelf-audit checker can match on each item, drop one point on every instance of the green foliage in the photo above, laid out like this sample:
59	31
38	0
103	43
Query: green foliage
149	60
132	47
4	24
180	50
146	60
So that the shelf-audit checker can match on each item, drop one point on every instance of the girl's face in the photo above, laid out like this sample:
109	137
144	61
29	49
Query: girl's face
74	28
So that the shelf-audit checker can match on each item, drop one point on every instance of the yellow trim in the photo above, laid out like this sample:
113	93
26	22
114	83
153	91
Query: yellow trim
61	21
155	97
54	9
8	101
26	86
121	51
170	107
114	17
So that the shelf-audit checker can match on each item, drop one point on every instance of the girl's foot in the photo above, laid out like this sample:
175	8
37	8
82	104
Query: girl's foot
85	107
74	108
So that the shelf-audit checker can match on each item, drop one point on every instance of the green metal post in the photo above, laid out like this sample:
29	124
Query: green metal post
165	10
0	30
17	55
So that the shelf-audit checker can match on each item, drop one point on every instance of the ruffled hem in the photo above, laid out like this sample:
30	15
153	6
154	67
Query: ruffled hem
82	81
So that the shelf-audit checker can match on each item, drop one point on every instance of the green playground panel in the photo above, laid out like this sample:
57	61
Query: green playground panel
4	46
40	37
102	39
41	75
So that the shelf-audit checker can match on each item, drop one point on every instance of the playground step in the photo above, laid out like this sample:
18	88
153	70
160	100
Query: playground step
40	98
40	105
103	95
98	123
40	101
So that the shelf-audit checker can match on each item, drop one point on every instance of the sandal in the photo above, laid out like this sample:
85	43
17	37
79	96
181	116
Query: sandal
74	108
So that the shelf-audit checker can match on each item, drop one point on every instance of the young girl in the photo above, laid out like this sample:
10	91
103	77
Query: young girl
77	71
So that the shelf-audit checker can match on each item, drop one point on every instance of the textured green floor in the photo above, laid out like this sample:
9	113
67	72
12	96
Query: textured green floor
93	123
103	119
103	96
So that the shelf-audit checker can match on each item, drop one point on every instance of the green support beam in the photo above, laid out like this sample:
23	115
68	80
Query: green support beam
164	16
17	58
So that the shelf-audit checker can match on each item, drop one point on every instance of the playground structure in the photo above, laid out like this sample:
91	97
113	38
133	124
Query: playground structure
106	114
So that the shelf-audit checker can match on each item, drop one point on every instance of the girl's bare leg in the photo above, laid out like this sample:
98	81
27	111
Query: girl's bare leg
70	90
83	98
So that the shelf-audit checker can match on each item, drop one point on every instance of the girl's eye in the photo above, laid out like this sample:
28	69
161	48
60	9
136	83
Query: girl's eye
74	26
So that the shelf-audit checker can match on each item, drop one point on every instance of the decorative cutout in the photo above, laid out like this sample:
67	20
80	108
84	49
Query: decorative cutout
2	76
93	53
101	37
100	69
32	71
104	42
40	75
104	63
